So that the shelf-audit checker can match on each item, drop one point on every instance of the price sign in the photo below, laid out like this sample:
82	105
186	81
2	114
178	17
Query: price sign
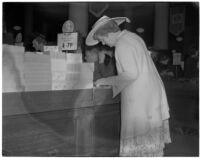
51	48
67	41
176	58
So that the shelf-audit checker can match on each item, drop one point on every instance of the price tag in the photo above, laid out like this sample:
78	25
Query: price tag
67	41
176	58
51	48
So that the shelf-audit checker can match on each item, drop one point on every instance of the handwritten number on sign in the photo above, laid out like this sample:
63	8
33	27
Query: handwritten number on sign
69	45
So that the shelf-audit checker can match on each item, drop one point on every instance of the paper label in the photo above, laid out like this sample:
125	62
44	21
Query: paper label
67	41
51	48
176	58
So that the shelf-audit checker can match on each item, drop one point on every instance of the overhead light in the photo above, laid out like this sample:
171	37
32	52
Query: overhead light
140	30
179	39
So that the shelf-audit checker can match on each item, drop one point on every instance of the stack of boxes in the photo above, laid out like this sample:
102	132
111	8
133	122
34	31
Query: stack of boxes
37	72
51	70
13	68
69	72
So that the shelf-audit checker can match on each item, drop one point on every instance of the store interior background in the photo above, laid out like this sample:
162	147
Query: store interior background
47	18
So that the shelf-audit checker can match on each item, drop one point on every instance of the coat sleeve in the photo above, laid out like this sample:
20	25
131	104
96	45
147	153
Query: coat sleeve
127	60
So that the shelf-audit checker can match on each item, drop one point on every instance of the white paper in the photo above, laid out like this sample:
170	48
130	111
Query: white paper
176	58
58	65
13	67
76	76
57	55
51	48
37	72
78	81
74	58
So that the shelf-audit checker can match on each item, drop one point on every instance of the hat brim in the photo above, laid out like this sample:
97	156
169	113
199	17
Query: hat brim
90	41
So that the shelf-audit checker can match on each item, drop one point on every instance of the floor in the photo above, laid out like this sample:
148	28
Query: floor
185	140
184	122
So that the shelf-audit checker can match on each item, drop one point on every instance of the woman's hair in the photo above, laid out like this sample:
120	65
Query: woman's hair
107	59
109	27
94	49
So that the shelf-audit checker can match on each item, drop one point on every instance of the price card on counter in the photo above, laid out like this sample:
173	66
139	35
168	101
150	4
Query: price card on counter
51	48
176	58
67	41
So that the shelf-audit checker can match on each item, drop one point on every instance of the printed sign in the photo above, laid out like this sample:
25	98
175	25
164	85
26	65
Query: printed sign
176	58
50	48
67	41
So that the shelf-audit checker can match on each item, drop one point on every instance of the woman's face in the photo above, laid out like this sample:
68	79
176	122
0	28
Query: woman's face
91	57
107	40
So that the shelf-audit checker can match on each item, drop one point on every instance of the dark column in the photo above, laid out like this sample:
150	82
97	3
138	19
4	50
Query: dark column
78	13
28	26
161	26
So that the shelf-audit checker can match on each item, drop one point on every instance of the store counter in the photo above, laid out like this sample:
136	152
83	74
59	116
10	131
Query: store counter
60	123
78	122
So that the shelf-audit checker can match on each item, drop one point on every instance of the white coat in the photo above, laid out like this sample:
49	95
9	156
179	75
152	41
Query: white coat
144	103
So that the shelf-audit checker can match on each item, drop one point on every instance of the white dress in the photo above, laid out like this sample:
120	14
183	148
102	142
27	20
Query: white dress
144	106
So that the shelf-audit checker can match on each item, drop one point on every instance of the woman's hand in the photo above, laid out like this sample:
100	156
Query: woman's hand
101	82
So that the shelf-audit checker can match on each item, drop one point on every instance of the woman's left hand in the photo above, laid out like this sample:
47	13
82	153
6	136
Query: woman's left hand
100	82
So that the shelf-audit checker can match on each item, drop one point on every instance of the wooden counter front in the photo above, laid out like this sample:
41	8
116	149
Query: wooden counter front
78	122
61	123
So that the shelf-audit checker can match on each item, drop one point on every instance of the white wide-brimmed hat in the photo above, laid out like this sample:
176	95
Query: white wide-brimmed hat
90	41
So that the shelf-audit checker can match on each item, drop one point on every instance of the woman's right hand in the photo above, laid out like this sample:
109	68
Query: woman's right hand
101	83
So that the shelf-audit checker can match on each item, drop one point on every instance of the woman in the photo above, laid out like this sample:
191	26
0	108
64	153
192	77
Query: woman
144	106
